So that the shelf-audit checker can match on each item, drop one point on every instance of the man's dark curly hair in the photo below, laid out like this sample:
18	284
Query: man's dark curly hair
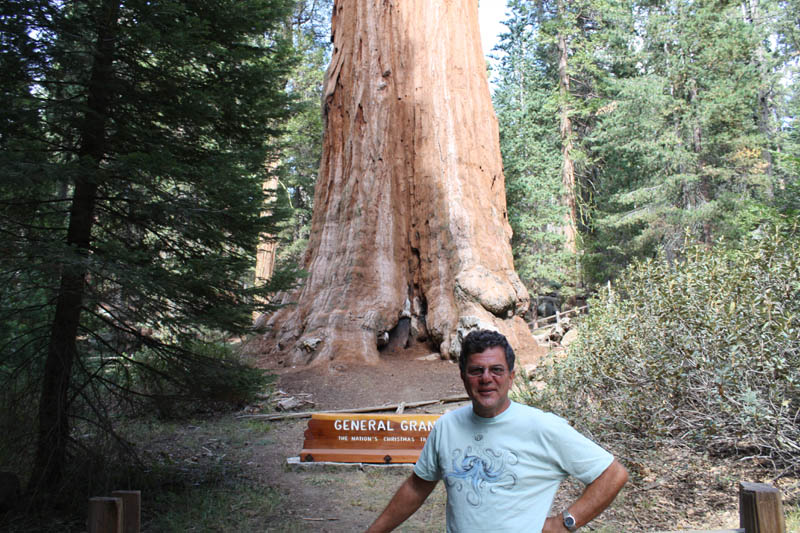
481	340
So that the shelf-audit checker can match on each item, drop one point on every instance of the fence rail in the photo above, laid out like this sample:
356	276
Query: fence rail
541	322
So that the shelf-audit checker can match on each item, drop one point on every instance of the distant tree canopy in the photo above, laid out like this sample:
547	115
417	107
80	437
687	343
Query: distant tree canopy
134	139
682	115
302	142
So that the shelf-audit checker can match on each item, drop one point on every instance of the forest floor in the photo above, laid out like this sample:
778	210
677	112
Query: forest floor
225	472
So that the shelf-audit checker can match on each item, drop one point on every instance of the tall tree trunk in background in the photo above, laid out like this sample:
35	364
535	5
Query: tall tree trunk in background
767	124
567	167
267	245
410	224
62	349
701	191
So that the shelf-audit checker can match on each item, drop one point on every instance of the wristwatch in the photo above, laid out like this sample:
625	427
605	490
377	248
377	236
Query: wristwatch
569	521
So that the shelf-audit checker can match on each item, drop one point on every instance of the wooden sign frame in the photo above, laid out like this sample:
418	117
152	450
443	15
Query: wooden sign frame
365	438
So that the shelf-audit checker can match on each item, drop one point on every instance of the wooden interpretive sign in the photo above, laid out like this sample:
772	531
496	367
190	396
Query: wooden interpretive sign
366	438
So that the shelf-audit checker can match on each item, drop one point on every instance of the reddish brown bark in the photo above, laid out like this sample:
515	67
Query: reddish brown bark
410	215
567	166
267	246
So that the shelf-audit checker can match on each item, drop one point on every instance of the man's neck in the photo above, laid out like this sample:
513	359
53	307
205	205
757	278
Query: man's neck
491	414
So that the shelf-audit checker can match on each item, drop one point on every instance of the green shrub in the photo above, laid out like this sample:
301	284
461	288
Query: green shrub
705	350
200	376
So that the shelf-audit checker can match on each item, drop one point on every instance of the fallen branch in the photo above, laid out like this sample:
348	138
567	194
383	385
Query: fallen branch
388	407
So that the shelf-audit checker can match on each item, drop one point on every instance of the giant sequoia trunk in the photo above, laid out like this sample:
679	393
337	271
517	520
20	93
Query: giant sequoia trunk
410	230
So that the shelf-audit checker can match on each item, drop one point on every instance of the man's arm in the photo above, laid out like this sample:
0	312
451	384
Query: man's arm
403	504
595	498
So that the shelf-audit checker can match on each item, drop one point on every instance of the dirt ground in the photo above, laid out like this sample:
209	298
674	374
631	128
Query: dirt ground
348	498
410	375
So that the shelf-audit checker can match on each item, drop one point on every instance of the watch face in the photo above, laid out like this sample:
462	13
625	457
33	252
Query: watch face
569	521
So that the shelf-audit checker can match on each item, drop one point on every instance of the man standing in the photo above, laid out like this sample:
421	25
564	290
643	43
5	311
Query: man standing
502	462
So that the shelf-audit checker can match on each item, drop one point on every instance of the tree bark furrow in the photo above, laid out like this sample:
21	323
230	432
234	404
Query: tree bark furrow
409	214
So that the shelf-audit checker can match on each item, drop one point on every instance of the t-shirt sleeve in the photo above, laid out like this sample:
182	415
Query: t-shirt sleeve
577	455
427	466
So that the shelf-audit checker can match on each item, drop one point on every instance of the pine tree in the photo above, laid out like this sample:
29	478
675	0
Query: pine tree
303	139
294	170
559	57
681	148
529	139
134	142
675	116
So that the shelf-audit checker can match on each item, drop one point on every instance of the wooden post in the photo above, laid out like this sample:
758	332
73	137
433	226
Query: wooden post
131	509
105	515
760	508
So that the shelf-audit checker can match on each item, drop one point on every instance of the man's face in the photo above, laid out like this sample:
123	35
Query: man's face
487	381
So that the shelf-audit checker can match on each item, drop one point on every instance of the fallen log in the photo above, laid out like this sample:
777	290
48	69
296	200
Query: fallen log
387	407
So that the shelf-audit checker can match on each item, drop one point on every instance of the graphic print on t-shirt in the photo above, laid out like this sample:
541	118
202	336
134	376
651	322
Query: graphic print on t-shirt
480	469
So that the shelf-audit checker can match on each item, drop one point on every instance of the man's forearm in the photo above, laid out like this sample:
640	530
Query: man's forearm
595	498
408	498
599	494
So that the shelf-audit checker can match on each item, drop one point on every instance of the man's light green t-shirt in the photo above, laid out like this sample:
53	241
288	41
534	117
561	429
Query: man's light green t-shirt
502	473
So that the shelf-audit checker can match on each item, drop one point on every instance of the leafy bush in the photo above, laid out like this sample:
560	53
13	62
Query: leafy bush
205	374
705	350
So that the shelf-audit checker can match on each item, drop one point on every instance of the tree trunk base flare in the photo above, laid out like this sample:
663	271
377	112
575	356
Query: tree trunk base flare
410	220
